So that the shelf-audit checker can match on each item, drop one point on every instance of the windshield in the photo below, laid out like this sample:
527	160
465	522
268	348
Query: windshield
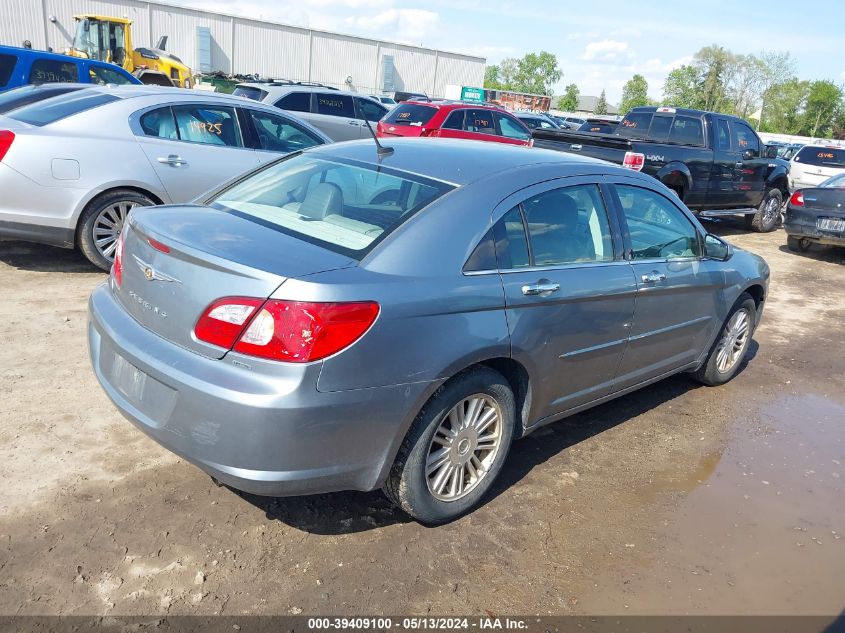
56	108
343	206
20	97
410	114
821	156
834	182
103	41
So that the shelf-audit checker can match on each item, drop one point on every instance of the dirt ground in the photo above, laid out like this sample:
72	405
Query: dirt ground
677	499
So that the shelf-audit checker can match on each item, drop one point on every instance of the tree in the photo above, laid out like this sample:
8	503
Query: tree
634	94
718	67
601	104
491	78
783	110
824	102
537	73
569	101
681	88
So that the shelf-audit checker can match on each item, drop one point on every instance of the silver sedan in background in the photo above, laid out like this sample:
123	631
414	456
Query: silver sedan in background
72	166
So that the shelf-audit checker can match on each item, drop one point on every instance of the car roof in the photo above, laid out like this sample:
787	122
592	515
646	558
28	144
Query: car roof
457	161
447	104
131	91
279	89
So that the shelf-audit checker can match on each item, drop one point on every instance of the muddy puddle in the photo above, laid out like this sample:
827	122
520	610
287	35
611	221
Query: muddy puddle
759	526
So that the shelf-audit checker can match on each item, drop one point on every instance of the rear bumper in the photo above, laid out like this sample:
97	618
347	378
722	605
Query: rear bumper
801	223
267	435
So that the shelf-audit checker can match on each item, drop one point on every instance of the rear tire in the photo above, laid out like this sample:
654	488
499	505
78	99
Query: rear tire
101	223
731	345
438	477
767	217
798	244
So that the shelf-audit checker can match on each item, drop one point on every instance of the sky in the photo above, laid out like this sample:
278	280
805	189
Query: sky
598	45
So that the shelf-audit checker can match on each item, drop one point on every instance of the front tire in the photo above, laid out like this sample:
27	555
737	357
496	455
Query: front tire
455	449
101	223
767	217
731	345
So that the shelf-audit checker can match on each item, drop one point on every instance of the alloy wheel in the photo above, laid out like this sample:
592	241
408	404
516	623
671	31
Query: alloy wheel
464	447
109	224
734	339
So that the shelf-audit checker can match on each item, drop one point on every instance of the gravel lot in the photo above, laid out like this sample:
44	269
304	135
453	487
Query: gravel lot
676	499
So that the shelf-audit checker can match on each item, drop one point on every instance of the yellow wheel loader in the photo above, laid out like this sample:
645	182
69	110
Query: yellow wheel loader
110	40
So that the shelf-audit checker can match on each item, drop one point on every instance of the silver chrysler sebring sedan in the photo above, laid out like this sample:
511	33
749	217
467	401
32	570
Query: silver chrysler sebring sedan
72	166
347	319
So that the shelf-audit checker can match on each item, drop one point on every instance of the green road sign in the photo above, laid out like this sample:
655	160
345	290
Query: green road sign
475	95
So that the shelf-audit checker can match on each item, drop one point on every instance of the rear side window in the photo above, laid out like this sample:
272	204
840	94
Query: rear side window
250	92
52	110
636	124
208	125
295	102
7	65
454	121
51	71
821	156
410	114
686	130
160	123
335	105
511	243
103	75
480	121
343	207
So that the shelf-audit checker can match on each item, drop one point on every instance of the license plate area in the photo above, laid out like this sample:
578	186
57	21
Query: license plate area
128	379
835	225
150	397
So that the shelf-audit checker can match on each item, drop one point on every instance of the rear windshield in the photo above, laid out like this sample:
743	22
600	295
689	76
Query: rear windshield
410	114
30	94
57	108
343	206
821	156
636	124
7	65
257	94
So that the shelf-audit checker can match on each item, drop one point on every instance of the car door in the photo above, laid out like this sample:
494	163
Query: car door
678	291
723	189
751	165
368	110
193	147
512	130
475	125
276	134
569	294
334	115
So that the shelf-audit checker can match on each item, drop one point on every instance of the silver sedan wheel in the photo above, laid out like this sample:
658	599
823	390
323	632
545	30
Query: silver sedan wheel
734	339
464	447
108	225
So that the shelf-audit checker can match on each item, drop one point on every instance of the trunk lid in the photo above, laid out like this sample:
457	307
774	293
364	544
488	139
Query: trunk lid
210	254
831	200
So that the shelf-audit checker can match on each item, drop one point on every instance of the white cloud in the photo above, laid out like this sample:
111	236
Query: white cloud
605	50
398	24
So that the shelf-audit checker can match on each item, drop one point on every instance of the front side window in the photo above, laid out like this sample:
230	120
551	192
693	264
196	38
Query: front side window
370	110
567	226
744	138
277	134
208	125
7	65
511	128
345	207
50	71
480	121
295	102
335	105
658	229
103	75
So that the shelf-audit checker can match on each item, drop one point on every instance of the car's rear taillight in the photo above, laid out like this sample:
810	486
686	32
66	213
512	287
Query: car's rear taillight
633	160
431	132
797	199
290	331
6	140
117	265
531	142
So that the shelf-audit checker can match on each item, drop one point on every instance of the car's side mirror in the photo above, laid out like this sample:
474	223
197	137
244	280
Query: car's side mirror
717	248
749	154
771	152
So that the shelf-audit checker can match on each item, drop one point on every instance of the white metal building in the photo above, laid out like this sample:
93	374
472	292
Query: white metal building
244	45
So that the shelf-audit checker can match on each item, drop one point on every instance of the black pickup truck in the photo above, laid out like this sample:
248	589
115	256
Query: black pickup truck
716	163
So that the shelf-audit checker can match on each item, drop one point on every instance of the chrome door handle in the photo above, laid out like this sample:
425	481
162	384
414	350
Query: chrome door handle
540	289
739	164
653	277
576	147
172	159
355	123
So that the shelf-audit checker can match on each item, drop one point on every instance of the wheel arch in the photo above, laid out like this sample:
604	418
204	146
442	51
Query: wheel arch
677	177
